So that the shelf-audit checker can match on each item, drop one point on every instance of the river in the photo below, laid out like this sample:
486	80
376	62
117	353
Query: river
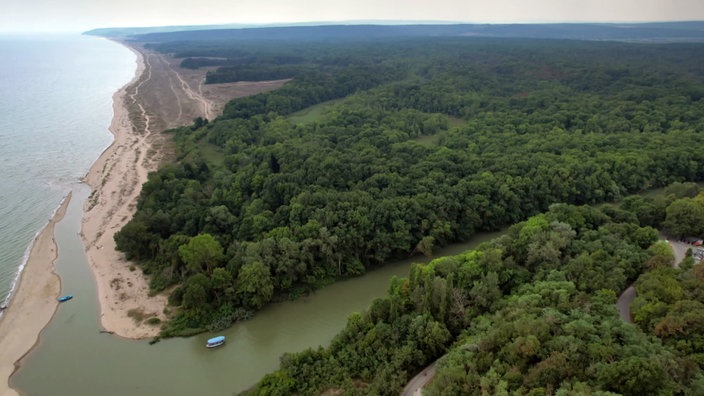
74	358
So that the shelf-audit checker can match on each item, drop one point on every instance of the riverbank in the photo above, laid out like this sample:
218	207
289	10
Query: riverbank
34	302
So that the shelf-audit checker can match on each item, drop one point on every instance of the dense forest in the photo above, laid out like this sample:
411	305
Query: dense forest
529	313
377	150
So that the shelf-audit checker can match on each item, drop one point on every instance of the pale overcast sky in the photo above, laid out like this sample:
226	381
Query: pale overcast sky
80	15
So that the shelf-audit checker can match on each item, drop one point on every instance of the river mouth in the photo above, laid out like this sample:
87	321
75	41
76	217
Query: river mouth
74	358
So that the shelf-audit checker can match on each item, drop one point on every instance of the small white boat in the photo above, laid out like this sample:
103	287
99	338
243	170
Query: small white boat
215	341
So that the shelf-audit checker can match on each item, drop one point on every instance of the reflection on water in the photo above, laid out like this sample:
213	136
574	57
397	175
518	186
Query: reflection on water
73	358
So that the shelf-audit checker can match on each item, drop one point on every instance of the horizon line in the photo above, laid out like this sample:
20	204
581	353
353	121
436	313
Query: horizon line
351	22
245	25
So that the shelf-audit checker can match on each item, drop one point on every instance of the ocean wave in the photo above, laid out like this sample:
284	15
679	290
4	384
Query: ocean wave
25	257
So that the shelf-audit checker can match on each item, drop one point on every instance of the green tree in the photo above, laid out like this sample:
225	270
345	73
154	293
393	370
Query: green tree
221	280
685	217
645	236
661	255
425	246
202	253
136	241
254	285
196	290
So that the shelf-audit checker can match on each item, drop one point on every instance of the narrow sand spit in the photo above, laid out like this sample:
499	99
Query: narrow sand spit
34	301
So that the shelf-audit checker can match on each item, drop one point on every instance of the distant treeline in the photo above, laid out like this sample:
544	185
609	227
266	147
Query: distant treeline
648	32
435	139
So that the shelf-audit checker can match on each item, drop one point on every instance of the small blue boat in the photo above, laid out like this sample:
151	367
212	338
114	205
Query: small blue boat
65	298
215	341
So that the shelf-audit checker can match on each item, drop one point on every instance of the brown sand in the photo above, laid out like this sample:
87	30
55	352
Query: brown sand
33	303
116	178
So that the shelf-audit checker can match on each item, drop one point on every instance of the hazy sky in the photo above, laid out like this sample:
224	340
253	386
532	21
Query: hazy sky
80	15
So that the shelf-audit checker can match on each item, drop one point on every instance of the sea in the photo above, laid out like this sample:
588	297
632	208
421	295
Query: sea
55	110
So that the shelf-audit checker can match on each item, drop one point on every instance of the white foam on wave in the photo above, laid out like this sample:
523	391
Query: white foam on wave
25	257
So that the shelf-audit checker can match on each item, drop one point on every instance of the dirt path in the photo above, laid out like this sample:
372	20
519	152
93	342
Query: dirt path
211	98
197	96
680	251
623	304
416	384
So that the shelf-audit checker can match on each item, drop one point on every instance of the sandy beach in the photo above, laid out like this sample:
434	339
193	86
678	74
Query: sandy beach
115	179
160	96
34	301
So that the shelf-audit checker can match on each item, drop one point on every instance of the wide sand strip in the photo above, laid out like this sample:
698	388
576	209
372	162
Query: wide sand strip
116	179
33	304
161	96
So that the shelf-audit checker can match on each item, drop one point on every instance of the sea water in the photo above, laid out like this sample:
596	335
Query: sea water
55	110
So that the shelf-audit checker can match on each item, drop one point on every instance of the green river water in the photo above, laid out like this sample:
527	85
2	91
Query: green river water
74	358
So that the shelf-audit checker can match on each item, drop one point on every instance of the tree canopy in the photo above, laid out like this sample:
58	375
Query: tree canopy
501	323
413	144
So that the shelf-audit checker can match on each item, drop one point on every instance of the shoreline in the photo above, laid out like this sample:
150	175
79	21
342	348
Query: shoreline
29	309
26	257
